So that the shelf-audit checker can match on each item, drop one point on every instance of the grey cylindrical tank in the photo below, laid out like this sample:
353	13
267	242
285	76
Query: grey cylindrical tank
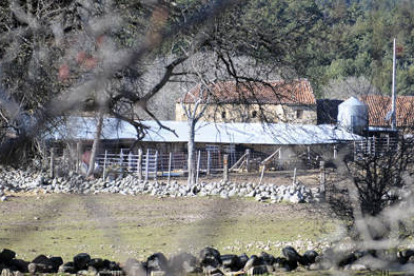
353	115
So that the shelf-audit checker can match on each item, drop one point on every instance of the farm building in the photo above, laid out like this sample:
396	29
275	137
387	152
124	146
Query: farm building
279	101
291	142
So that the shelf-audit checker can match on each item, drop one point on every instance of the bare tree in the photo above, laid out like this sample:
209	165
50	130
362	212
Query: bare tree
194	112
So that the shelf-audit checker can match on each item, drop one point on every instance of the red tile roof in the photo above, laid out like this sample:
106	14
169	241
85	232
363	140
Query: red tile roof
270	92
379	106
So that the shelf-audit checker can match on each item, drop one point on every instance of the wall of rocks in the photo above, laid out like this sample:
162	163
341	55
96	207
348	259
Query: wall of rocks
209	261
18	181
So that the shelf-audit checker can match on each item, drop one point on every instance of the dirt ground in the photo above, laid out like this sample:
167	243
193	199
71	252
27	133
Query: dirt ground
118	227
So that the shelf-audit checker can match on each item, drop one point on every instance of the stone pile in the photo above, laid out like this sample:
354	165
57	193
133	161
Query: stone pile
17	181
208	262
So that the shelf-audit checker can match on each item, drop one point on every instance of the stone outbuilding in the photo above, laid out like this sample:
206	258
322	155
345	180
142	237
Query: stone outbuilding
280	101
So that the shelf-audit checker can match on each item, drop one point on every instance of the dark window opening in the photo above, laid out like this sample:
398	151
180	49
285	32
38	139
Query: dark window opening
223	114
254	114
299	114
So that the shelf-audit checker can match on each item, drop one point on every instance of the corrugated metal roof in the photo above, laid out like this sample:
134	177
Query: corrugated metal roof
270	92
207	132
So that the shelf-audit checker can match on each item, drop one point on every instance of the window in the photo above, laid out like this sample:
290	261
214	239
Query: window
254	114
223	115
299	114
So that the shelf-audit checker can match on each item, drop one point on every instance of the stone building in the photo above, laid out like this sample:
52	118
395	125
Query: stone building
279	101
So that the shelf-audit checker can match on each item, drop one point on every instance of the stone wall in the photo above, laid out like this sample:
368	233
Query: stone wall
254	113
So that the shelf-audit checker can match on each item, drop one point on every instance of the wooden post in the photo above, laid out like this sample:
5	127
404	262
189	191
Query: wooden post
65	158
208	162
198	166
146	165
225	167
130	161
156	165
248	160
388	143
169	167
104	173
78	156
294	177
52	162
262	174
121	160
322	180
139	164
373	145
355	151
335	153
369	146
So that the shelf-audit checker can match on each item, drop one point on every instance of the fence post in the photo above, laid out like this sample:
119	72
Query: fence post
335	152
198	165
208	162
78	156
156	165
294	177
262	174
139	164
121	161
146	165
52	162
388	143
225	167
248	160
130	161
104	173
169	167
373	145
355	151
369	146
322	180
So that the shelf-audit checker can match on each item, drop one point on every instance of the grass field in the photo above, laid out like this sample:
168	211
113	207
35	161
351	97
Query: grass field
119	227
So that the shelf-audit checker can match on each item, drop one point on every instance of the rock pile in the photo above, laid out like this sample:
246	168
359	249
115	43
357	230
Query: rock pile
16	181
208	262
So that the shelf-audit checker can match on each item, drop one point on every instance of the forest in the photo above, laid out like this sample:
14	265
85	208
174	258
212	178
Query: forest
117	57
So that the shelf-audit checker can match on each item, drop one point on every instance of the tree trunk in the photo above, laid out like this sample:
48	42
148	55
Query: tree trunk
191	151
95	145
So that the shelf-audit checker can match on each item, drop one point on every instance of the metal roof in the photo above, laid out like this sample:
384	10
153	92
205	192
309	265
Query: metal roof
80	128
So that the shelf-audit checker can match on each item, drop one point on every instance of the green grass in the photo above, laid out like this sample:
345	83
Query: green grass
120	227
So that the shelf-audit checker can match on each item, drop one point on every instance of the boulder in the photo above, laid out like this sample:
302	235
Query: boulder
291	254
96	263
6	272
230	263
42	264
252	262
210	255
157	262
210	260
183	263
7	255
81	261
308	258
134	268
284	264
260	270
19	265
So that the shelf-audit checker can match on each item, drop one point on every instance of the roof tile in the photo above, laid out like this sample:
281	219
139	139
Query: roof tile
379	106
269	92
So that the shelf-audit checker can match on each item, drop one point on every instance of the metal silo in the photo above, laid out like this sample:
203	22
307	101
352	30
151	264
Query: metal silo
353	116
